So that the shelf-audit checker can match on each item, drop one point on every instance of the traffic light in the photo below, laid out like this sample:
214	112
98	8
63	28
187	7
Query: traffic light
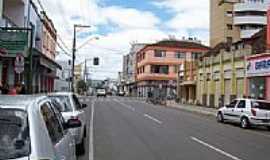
96	61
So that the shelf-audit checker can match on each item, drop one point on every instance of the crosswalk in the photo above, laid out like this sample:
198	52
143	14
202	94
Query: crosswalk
109	99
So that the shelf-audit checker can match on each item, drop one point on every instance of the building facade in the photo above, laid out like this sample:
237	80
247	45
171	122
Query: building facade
129	69
233	20
22	23
222	72
63	81
157	65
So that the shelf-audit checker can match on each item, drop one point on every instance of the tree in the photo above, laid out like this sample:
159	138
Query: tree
81	86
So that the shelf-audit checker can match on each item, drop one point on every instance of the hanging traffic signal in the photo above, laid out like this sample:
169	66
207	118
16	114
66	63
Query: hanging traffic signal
96	61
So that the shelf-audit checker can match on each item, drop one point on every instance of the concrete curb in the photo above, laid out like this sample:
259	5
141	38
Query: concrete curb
192	109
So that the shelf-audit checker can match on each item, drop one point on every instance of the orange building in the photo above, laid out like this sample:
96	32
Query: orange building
157	65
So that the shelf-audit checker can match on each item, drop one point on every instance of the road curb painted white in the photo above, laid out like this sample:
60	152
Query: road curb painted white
91	132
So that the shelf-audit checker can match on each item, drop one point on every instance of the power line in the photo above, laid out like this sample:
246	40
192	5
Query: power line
41	6
63	43
59	37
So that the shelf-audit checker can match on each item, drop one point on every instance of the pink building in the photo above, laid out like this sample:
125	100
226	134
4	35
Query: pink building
157	65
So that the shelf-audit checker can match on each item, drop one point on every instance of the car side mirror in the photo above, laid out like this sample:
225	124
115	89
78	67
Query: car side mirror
84	105
73	123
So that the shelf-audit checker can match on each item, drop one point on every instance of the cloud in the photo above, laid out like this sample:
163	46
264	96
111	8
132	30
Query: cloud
189	15
130	18
118	26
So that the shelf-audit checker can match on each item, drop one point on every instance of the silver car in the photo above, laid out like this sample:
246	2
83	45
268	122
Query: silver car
73	109
31	128
246	112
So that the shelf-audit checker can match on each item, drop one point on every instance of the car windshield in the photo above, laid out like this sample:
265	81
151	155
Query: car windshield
101	90
66	107
261	105
14	134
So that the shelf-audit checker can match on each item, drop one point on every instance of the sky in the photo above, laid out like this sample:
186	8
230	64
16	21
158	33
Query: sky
119	23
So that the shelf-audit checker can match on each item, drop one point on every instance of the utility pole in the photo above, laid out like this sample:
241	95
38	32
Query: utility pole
85	71
178	84
74	52
73	58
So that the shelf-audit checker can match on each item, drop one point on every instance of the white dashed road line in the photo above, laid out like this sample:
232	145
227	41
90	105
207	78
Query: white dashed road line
152	118
215	149
125	105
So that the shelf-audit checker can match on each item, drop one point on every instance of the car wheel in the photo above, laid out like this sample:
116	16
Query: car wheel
80	149
244	123
220	118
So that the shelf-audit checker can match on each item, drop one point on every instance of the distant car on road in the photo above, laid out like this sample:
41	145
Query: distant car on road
246	112
121	93
101	92
73	109
32	128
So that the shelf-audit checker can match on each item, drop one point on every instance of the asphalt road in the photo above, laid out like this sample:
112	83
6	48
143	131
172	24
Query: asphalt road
128	129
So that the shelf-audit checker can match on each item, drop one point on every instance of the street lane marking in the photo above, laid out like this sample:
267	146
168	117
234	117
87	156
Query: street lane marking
214	148
152	118
125	105
91	132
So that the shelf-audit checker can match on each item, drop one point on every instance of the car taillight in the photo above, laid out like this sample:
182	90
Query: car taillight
74	117
253	111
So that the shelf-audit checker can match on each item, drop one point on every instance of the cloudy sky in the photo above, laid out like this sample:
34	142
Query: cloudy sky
118	23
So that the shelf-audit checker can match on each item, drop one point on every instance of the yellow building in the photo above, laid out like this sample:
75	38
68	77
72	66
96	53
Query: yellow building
233	20
78	72
222	71
221	74
221	22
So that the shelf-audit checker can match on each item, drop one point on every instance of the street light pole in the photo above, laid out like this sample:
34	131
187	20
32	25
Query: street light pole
74	52
73	58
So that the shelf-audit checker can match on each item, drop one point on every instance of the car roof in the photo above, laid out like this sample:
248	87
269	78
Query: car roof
250	99
20	101
61	93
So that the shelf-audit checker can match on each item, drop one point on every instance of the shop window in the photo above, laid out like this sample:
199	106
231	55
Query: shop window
257	87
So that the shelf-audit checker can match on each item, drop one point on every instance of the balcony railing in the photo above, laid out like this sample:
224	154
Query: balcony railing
242	7
242	20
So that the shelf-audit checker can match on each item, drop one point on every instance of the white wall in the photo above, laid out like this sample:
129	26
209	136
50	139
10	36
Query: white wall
15	11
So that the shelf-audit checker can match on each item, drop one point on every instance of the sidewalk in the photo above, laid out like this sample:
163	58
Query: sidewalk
192	108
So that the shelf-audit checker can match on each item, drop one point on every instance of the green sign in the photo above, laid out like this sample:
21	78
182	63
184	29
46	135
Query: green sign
14	42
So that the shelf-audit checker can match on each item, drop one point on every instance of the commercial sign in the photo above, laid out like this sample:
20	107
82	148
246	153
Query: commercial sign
13	42
258	67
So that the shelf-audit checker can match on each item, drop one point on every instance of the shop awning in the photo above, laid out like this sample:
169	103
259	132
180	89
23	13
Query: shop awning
45	61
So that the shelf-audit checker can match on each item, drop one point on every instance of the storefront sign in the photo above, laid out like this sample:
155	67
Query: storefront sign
13	42
258	67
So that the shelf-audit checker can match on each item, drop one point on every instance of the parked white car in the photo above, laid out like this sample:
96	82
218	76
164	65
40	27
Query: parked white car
31	128
246	112
73	109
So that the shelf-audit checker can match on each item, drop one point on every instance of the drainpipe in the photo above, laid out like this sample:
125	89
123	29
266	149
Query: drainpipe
30	60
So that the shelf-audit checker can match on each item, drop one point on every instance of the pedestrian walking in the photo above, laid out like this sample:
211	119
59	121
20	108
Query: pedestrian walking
4	88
